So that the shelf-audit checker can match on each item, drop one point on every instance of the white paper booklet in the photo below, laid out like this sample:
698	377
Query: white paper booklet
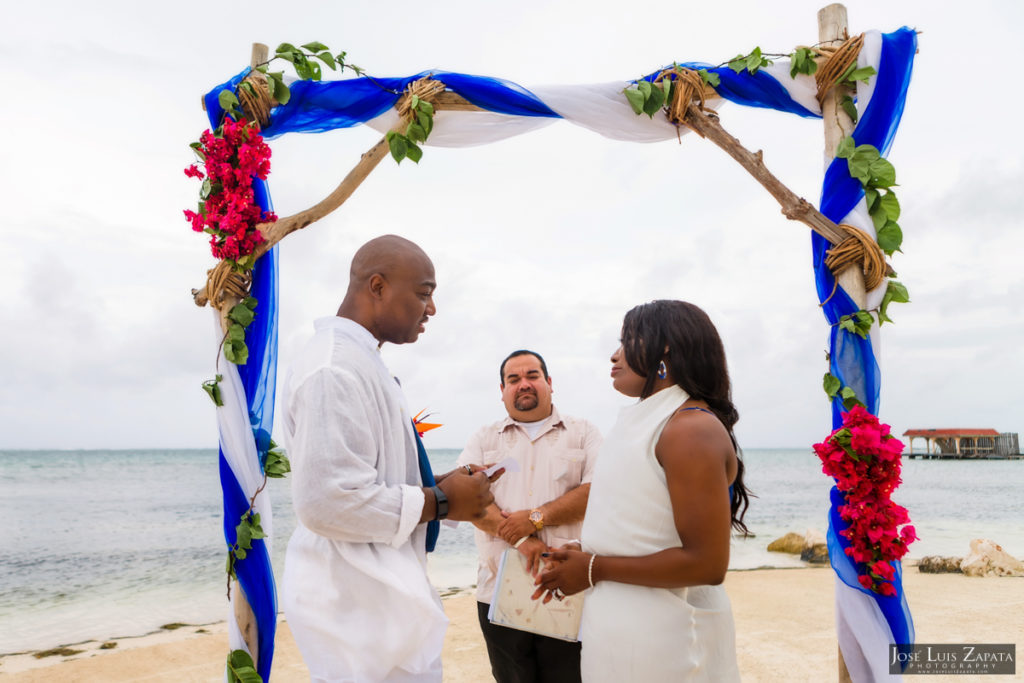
511	604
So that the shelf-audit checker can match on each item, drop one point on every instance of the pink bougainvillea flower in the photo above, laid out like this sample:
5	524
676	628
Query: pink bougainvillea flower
232	159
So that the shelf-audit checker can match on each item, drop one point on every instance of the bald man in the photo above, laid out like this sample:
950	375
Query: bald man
355	587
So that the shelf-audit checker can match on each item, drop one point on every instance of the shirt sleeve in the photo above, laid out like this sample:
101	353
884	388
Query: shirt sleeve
337	490
592	440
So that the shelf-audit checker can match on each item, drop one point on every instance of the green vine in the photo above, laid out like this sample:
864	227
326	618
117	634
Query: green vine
275	466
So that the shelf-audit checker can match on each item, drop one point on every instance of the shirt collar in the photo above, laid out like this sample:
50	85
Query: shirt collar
554	420
351	329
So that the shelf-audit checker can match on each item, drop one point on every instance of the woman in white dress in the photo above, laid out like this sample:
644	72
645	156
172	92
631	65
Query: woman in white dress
667	489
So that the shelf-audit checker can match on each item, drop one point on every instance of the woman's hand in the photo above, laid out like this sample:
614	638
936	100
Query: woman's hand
567	572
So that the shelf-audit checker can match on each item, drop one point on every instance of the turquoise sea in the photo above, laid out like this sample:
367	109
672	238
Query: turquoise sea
102	544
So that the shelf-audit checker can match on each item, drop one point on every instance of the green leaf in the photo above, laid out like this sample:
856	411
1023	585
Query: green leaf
898	292
891	205
205	188
415	132
849	107
236	351
254	526
236	333
327	59
645	88
710	78
426	122
227	99
802	61
241	314
861	74
426	107
738	63
831	384
243	536
414	153
846	148
285	47
883	173
398	145
230	567
754	60
281	91
316	73
654	102
240	668
315	47
890	238
250	302
212	387
635	99
288	56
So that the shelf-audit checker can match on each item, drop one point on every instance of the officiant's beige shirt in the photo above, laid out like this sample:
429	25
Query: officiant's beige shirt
559	459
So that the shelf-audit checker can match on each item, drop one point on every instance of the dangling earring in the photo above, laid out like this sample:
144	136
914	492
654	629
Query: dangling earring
662	370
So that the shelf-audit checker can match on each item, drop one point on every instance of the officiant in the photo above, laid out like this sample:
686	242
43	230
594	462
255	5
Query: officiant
538	505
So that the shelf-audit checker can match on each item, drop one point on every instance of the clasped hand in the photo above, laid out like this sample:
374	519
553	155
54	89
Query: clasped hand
516	525
566	569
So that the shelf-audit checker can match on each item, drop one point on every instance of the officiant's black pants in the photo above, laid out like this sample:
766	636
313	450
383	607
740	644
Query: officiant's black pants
521	657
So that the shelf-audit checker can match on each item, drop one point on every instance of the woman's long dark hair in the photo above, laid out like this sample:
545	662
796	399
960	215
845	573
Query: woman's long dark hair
695	360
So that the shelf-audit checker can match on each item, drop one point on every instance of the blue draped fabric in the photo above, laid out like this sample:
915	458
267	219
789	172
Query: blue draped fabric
259	380
759	89
319	106
852	358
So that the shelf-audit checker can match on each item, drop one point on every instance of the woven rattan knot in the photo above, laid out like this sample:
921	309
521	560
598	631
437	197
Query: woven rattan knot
425	89
223	283
858	248
840	59
690	87
256	104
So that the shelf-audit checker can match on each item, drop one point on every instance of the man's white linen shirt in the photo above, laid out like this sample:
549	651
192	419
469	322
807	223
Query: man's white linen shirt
558	460
355	588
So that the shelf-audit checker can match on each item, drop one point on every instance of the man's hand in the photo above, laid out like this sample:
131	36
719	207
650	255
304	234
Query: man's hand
515	526
468	495
531	549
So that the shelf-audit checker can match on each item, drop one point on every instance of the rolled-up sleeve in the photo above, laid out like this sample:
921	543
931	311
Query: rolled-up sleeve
337	488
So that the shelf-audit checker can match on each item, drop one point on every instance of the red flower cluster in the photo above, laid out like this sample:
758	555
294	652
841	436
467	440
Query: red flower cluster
228	210
864	459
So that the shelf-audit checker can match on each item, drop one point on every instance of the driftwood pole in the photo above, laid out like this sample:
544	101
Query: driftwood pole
832	31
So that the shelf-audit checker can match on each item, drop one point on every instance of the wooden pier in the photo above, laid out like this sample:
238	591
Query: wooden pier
965	444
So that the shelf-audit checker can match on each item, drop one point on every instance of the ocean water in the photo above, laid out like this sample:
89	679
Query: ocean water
102	544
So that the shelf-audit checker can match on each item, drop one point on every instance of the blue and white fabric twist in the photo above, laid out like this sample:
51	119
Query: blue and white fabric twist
866	623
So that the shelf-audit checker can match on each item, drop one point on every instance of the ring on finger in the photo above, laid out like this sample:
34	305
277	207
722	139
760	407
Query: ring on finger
558	594
469	470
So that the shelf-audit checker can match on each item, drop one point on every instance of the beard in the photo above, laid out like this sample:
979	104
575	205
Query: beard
526	401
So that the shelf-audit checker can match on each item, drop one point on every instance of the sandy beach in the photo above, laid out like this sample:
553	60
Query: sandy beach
784	632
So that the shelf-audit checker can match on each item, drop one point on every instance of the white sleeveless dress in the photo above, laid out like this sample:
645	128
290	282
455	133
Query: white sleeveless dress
638	633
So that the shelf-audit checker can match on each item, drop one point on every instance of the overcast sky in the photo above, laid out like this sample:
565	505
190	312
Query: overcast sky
541	241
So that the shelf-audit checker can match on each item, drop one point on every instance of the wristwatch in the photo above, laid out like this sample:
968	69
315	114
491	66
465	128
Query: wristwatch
441	502
537	517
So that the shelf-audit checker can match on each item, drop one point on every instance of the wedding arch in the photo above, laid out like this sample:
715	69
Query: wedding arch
857	85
